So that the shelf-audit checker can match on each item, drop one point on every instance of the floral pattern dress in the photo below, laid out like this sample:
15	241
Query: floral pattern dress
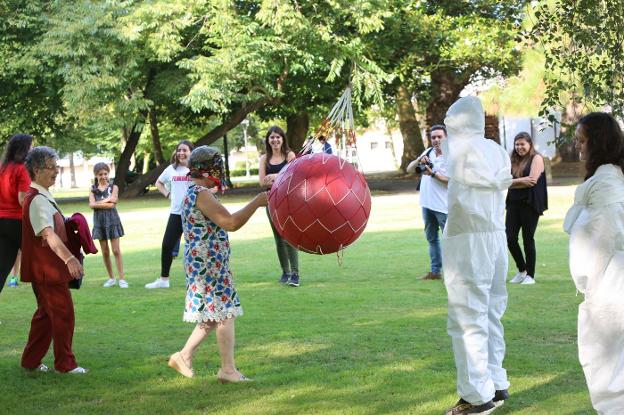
210	292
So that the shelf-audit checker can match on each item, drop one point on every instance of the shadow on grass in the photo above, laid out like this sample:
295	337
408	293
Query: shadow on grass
366	337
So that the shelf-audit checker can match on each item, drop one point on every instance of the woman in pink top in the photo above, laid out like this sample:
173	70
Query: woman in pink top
14	183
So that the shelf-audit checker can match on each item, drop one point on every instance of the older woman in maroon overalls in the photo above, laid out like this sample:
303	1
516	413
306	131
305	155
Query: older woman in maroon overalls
49	266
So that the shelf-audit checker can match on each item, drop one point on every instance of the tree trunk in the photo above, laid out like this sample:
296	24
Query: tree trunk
72	171
146	160
446	85
156	147
410	130
132	139
492	128
297	127
125	134
226	161
565	148
235	119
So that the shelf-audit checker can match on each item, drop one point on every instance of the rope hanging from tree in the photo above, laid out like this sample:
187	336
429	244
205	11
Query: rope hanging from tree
339	124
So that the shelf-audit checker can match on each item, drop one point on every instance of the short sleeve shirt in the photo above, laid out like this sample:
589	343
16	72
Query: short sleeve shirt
13	179
176	179
42	210
434	193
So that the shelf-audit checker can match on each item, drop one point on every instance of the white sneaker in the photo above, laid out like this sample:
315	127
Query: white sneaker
159	283
123	284
110	282
528	280
518	278
79	371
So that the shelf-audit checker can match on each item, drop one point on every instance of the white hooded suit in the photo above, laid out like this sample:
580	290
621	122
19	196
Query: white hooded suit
475	251
596	227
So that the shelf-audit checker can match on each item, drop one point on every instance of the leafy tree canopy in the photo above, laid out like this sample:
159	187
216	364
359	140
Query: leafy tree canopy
584	51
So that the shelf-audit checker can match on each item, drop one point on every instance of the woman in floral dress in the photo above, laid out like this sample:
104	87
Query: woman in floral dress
211	299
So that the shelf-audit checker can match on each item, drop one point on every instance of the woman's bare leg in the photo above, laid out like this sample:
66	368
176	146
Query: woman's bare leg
16	267
199	334
225	340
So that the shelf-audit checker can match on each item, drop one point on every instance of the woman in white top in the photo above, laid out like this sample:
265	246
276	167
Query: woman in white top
596	226
172	183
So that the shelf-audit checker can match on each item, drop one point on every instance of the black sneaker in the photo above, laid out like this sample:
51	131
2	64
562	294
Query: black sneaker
294	280
464	407
500	396
284	278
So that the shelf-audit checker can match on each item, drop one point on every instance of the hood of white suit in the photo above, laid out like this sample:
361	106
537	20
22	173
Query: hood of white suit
473	160
465	119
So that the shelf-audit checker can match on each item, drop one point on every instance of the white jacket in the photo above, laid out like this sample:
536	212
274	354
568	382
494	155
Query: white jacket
596	226
479	172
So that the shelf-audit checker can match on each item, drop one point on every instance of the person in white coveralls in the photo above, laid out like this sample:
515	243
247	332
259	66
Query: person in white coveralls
474	257
595	223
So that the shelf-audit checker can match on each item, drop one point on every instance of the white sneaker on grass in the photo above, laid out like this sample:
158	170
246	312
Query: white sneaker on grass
40	368
79	371
528	280
123	284
109	282
518	278
159	283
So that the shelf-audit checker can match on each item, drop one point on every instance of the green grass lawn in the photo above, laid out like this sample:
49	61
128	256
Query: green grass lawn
365	337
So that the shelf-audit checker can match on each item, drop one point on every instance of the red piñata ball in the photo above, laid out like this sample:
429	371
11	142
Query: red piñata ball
319	203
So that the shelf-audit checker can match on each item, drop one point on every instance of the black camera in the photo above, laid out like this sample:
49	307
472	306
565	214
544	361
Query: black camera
422	167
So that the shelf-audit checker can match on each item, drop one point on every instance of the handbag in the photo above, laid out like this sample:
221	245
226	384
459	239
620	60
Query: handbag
75	283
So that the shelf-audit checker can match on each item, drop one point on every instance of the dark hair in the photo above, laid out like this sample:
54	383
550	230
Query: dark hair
99	166
437	127
518	162
605	142
174	156
269	151
16	149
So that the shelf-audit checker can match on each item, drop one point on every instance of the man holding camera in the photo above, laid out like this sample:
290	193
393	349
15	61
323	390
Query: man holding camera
433	196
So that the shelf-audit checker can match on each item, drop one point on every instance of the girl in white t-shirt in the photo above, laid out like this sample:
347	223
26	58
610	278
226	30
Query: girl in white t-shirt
172	183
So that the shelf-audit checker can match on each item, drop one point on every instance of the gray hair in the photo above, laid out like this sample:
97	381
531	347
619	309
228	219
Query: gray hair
38	158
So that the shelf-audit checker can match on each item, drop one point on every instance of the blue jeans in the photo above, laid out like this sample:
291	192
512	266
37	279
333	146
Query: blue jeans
434	220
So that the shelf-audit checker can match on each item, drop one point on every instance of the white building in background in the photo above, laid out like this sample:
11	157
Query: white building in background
83	169
377	149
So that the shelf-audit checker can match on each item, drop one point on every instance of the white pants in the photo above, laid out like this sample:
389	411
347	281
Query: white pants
601	340
475	267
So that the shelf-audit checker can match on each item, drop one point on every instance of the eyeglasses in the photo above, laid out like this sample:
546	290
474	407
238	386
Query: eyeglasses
52	167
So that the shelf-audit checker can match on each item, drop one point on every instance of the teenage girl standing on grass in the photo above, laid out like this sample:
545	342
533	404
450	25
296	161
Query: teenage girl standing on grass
106	223
277	156
172	183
